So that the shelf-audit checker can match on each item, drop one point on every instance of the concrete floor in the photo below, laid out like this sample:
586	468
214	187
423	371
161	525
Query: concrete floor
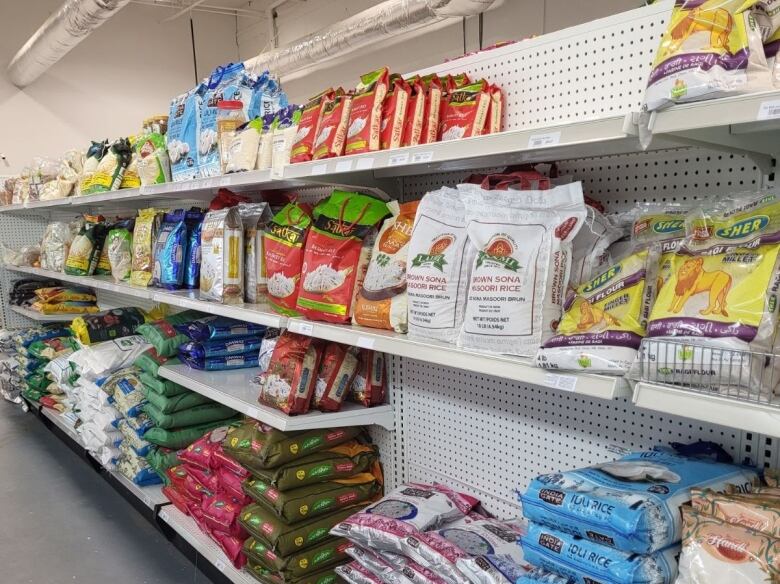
61	523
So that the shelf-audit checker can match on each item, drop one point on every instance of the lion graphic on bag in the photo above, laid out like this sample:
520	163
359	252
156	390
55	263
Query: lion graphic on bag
718	22
592	316
693	279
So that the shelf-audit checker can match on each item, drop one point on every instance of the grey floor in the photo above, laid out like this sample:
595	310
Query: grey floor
61	523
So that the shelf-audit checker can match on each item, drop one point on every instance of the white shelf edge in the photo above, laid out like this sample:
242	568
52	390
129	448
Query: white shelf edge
35	315
234	389
187	528
56	419
504	366
150	496
716	409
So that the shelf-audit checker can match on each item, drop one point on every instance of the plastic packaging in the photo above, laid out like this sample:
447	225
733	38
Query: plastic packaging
147	224
169	251
365	118
284	241
255	218
308	125
194	221
222	268
154	166
85	249
182	136
230	115
119	244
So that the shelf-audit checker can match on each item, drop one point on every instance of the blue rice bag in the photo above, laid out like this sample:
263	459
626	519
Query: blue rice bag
219	327
267	97
182	136
585	562
221	347
194	222
169	249
632	504
245	361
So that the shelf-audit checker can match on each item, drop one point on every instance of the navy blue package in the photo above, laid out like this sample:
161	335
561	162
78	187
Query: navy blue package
632	504
584	561
248	360
219	327
194	221
221	347
169	250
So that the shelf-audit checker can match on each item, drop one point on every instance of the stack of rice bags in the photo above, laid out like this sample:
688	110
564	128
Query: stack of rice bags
61	300
301	485
218	343
175	417
618	521
35	348
433	535
207	486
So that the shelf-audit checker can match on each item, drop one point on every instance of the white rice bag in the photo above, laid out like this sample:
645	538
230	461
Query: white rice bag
423	506
96	361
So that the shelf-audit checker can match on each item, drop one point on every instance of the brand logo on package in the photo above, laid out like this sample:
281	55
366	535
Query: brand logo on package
551	542
668	226
743	228
552	497
600	538
602	279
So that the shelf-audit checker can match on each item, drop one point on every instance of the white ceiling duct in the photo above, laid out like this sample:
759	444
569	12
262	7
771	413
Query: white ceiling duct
385	20
62	31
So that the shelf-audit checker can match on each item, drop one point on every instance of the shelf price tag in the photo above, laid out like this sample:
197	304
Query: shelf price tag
147	501
164	515
319	169
303	328
365	342
564	382
364	164
543	140
769	110
219	564
419	157
343	166
398	159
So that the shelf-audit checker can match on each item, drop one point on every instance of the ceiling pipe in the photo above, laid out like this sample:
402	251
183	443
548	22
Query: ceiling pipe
383	21
62	31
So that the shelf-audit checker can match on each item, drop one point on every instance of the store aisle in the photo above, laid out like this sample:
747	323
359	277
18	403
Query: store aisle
63	524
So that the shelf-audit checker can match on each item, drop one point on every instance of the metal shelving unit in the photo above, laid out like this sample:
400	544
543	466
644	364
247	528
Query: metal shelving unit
35	315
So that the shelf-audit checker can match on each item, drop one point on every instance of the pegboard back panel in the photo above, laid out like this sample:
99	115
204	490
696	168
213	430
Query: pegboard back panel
593	70
491	436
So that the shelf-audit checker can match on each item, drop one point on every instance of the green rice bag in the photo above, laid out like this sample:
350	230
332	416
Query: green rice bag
313	500
259	446
184	317
180	437
37	381
265	576
161	459
151	361
161	386
171	405
301	563
203	414
339	462
264	525
163	337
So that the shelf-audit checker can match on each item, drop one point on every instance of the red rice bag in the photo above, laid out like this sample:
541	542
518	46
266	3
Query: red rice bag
394	113
334	380
368	386
178	476
195	489
220	513
199	453
433	107
230	483
179	501
366	115
283	243
495	111
465	112
220	460
303	143
288	384
232	546
415	113
332	130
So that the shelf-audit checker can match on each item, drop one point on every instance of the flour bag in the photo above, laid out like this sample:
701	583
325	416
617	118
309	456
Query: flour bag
520	273
222	258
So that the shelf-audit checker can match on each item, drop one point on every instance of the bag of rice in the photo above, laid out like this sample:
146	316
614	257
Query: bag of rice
216	328
194	222
300	564
119	248
415	111
394	113
381	301
180	437
334	379
255	218
163	336
154	166
439	262
354	573
196	416
337	252
288	384
721	299
365	118
182	135
222	267
710	49
284	240
433	108
369	385
589	247
220	348
631	504
169	250
147	224
604	321
308	126
519	277
95	361
197	361
465	112
583	561
86	247
332	129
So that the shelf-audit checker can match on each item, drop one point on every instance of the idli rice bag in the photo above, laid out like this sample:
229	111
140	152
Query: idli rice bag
255	218
720	301
369	384
221	514
147	224
354	573
289	383
180	437
710	49
438	266
169	250
584	561
150	362
500	570
717	552
365	118
177	403
203	414
381	301
632	504
519	277
284	240
604	321
222	258
337	251
338	367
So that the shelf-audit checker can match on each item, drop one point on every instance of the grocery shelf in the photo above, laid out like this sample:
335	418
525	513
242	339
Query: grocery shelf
234	389
504	366
35	315
98	282
253	180
151	496
748	416
57	419
187	528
